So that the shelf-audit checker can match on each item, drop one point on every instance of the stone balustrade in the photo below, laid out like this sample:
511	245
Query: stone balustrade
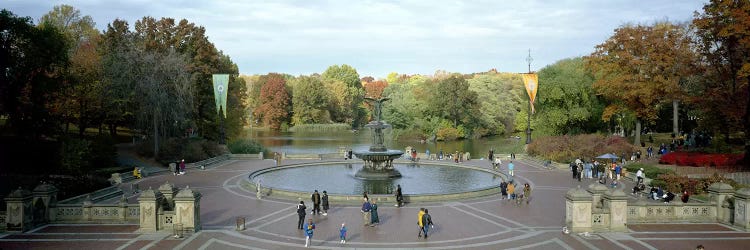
599	209
157	210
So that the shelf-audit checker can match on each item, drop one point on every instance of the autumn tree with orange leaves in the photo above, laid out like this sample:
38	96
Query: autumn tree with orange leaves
275	101
639	68
723	30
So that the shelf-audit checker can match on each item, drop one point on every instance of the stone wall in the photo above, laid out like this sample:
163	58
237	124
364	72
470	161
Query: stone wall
599	209
154	211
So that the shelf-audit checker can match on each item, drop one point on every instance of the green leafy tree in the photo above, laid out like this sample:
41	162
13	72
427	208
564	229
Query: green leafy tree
310	101
346	94
116	47
452	99
500	98
568	104
275	102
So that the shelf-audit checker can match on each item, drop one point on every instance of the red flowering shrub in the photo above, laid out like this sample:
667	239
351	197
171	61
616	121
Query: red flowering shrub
700	159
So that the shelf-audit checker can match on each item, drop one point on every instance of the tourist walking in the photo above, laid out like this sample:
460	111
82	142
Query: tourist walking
316	202
182	166
618	171
342	233
419	222
511	191
309	227
426	222
399	196
325	203
510	168
503	190
374	219
527	192
301	212
366	207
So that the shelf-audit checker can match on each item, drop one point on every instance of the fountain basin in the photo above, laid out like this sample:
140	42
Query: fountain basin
378	165
419	182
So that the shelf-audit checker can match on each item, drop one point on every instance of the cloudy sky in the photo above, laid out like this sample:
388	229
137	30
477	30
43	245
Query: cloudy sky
379	37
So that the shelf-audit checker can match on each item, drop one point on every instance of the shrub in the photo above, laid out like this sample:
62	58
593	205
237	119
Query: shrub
566	148
698	159
245	146
323	128
677	183
650	171
448	134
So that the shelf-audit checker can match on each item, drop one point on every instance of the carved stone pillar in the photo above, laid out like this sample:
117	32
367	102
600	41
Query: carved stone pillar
578	210
169	191
45	198
617	201
149	206
188	210
718	193
18	210
742	208
597	191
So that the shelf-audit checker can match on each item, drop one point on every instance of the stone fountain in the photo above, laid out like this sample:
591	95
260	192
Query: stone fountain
378	159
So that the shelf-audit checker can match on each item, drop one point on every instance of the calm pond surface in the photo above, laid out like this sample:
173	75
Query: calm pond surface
320	143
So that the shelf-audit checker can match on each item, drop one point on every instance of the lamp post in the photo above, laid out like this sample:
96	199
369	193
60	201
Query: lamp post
529	59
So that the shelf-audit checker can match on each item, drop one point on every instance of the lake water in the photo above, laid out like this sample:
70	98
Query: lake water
320	143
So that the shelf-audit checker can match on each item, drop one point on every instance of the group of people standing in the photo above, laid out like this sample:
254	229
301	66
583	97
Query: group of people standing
508	191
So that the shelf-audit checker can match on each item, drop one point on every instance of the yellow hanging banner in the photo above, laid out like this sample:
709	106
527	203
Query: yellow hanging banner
531	82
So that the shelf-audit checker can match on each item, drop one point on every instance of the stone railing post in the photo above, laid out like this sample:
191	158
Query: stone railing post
18	210
742	208
123	208
87	204
597	191
260	155
188	209
168	191
718	193
617	202
578	210
47	194
149	206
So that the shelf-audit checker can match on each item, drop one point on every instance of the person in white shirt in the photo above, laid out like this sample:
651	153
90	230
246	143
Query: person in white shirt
639	175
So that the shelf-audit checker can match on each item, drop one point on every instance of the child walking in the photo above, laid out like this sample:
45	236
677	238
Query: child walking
309	227
342	233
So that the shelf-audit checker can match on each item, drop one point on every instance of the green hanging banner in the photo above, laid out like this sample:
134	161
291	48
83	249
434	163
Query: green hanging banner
221	87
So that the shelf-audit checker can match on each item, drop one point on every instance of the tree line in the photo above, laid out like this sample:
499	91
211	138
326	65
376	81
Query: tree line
698	70
153	77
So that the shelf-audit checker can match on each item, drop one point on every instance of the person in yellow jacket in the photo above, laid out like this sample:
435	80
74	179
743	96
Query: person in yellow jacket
137	173
511	191
419	222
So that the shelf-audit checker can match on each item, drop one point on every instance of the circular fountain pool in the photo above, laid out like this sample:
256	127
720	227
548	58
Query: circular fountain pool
339	179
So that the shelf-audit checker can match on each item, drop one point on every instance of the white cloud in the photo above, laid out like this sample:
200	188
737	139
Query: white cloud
378	37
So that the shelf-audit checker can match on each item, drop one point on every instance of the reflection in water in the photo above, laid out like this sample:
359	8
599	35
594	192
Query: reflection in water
416	179
320	143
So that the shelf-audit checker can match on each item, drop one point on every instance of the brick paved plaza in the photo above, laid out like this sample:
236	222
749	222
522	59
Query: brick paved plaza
484	223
